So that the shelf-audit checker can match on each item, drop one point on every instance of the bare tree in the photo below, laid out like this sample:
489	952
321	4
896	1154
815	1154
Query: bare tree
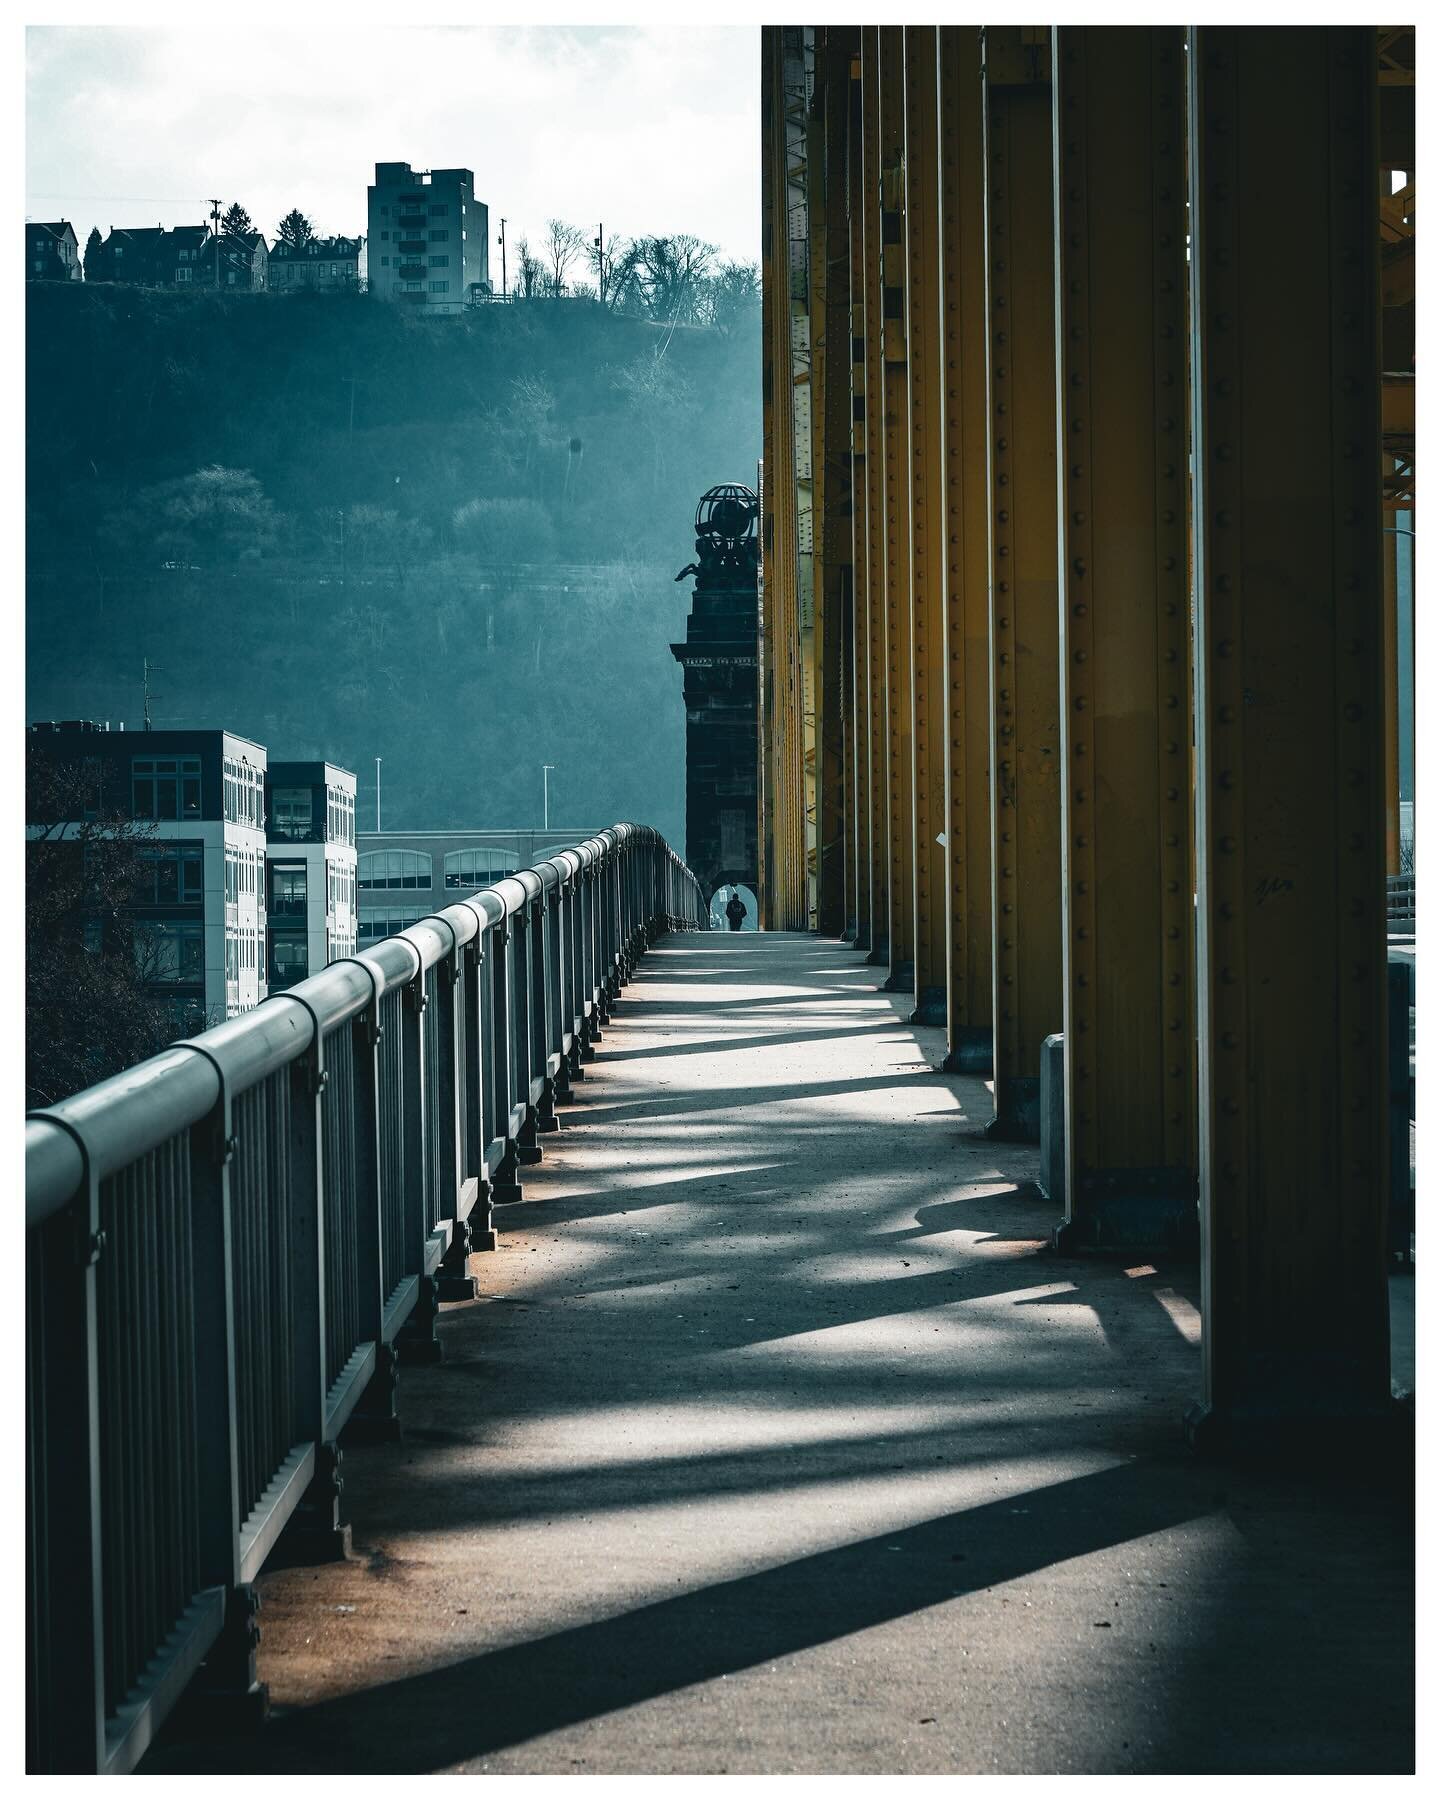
529	271
668	274
563	243
612	264
88	1010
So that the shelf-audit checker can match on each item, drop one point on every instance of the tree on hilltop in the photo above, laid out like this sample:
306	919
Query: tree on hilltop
94	254
295	229
237	223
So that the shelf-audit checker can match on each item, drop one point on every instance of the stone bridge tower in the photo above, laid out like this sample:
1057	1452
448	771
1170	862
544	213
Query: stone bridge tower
722	693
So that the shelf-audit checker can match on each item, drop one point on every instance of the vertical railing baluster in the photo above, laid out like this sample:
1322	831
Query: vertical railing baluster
375	1416
229	1674
507	1186
71	1681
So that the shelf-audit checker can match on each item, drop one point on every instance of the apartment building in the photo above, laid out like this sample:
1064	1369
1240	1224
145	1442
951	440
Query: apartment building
428	240
310	874
199	931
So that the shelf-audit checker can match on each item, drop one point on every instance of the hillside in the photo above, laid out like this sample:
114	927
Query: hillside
470	578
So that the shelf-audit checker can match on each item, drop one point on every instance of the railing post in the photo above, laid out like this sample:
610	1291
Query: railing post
65	1712
228	1681
416	1340
314	1532
522	996
507	1188
375	1419
479	1227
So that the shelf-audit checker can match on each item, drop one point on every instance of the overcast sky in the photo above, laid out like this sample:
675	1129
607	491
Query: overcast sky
648	128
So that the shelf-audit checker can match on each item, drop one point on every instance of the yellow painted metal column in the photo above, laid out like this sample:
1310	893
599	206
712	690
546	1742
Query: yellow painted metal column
1129	1166
782	692
799	42
965	429
1290	750
773	394
860	869
1025	702
895	499
875	539
925	369
830	460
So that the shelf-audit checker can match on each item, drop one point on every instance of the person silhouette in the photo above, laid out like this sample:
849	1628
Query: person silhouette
735	910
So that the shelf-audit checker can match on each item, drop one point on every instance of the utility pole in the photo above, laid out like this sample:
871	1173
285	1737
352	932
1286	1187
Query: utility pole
600	263
377	794
545	770
149	670
215	231
504	287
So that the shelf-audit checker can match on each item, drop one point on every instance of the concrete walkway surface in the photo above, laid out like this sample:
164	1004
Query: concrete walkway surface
780	1442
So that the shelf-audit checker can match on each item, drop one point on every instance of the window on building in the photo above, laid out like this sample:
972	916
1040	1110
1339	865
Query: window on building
439	287
384	237
170	951
470	869
439	262
183	274
438	209
383	919
165	787
176	875
439	237
289	961
291	815
384	262
395	869
287	890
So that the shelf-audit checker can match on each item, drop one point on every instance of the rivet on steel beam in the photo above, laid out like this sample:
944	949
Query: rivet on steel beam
1079	703
1079	609
1082	887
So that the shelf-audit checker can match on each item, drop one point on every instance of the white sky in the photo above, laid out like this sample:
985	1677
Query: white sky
649	128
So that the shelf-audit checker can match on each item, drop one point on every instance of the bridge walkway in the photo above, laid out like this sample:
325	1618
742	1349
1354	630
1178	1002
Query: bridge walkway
779	1441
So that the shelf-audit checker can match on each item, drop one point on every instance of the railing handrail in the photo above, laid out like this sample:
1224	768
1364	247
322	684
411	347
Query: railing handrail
229	1244
121	1118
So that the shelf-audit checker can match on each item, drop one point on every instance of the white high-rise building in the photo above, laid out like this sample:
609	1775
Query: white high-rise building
429	238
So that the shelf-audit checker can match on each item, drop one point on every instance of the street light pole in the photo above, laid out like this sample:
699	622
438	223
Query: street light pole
545	769
377	793
504	285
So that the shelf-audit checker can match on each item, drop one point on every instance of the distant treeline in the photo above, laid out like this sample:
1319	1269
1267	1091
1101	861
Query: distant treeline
351	532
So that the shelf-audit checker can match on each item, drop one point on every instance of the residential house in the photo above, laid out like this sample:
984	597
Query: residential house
330	264
52	252
151	256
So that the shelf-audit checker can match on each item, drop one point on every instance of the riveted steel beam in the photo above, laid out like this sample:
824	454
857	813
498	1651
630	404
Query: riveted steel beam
924	370
861	826
830	425
878	731
895	441
1119	97
1290	751
1025	754
965	429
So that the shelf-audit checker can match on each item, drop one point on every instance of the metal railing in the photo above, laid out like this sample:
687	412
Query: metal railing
1400	903
225	1243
